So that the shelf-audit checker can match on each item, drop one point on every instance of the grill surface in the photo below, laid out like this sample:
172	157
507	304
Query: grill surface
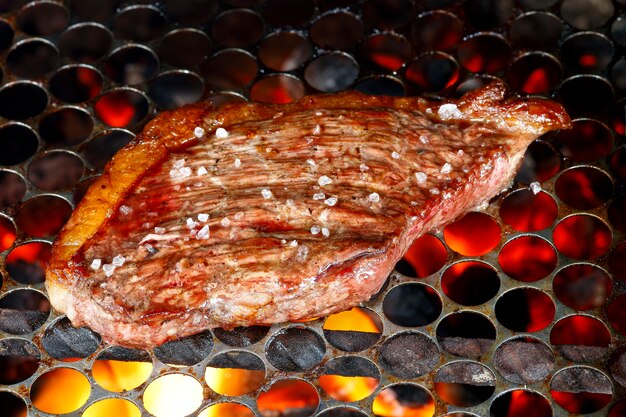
508	312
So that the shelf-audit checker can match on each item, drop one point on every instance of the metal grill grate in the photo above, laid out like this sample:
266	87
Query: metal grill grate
514	311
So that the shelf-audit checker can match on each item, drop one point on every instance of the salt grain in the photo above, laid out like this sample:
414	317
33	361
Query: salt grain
303	252
311	162
190	223
450	111
446	168
373	198
424	139
395	155
434	191
95	264
202	171
317	130
237	162
293	243
126	210
159	230
185	172
225	222
319	196
179	164
315	229
420	177
266	193
108	269
289	202
324	180
221	133
535	187
364	167
198	132
325	231
203	217
238	215
118	260
203	233
330	201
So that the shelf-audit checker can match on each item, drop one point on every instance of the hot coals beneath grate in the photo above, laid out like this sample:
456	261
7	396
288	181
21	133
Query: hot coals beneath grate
517	310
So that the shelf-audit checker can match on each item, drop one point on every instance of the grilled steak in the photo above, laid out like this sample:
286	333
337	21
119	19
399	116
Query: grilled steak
257	214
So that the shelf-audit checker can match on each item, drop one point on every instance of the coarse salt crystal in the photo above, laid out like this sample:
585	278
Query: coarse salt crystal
108	269
446	168
324	180
118	260
225	222
330	201
185	172
266	193
203	233
283	241
237	162
315	229
420	177
202	171
95	264
203	217
190	223
303	252
179	163
434	191
449	111
289	202
319	196
535	187
373	198
317	130
238	215
325	231
364	167
198	132
424	139
460	152
125	209
221	133
311	162
159	230
395	155
293	243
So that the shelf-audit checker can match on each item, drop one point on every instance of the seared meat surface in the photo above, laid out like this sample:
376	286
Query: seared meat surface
257	214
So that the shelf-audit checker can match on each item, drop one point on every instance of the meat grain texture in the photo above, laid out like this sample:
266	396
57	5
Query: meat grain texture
257	214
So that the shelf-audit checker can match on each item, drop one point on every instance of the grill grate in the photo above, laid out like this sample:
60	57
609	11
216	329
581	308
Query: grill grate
517	310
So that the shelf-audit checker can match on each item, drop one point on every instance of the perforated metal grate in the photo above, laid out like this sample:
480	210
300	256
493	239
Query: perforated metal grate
515	311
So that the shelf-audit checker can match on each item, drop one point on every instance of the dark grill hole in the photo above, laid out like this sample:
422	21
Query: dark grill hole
285	51
76	83
541	162
464	384
19	359
26	263
616	314
381	85
56	170
66	127
412	305
295	349
524	360
587	141
32	58
175	88
581	390
466	333
185	47
278	88
18	142
525	310
470	283
131	64
426	255
229	69
63	341
617	262
525	403
226	28
584	188
586	95
408	355
23	311
12	405
43	215
187	351
86	42
582	286
587	52
583	236
580	338
241	336
101	149
12	189
384	52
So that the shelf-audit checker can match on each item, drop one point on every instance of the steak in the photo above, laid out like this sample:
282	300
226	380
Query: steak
254	214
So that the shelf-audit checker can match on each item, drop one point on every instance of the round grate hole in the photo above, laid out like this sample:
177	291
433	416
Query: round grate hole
226	409
12	187
484	52
524	360
120	369
76	83
412	305
12	405
525	310
241	336
386	14
173	89
285	51
581	390
7	233
617	212
582	286
277	89
295	349
470	283
527	258
22	100
584	188
186	351
56	170
618	409
617	366
42	18
582	237
226	28
6	34
587	141
585	95
466	333
433	71
122	107
23	311
465	383
536	30
541	162
525	403
229	69
436	30
426	255
617	314
161	397
526	211
43	215
384	52
617	262
19	360
587	51
331	72
461	235
235	373
408	355
580	338
586	14
32	58
101	149
63	341
385	85
186	47
404	399
66	127
139	23
112	407
191	12
340	30
131	64
86	10
26	263
534	73
353	330
349	378
60	391
288	396
86	42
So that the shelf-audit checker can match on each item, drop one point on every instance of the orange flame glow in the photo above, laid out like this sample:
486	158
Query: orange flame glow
348	388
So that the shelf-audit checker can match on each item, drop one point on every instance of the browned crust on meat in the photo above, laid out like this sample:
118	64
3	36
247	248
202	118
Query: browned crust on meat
174	129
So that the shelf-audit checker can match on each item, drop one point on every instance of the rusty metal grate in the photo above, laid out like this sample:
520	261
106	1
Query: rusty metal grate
514	311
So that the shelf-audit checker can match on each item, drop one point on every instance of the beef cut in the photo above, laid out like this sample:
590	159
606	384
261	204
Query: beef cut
257	214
